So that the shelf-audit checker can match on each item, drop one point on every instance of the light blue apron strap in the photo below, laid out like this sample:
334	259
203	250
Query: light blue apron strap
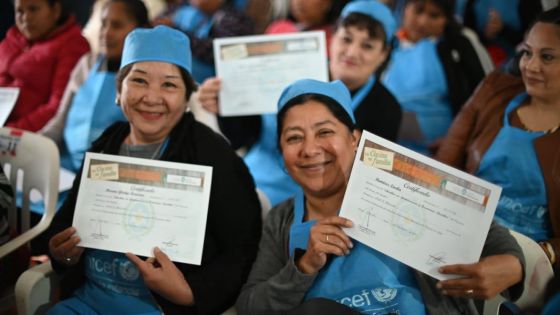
363	92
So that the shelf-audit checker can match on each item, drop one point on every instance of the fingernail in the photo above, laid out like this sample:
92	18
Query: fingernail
351	245
440	269
156	249
438	285
349	223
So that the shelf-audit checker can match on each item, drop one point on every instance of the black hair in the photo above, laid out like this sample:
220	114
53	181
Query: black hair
336	9
136	9
448	8
332	14
190	84
374	27
551	16
64	12
333	106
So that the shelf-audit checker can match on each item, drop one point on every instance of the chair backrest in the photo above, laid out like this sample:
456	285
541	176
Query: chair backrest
538	272
36	158
265	203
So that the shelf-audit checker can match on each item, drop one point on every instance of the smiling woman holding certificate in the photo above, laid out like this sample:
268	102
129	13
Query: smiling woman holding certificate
304	253
153	87
359	45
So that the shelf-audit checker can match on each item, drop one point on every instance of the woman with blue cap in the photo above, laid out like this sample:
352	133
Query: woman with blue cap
154	84
358	47
305	258
88	106
435	66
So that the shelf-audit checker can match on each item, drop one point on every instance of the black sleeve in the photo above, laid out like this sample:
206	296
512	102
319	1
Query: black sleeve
241	131
232	232
463	69
379	113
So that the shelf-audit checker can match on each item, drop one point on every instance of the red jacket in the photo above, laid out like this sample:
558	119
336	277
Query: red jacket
41	71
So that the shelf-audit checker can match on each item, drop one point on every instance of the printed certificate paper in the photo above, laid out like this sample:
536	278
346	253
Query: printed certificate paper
419	211
255	69
8	98
133	205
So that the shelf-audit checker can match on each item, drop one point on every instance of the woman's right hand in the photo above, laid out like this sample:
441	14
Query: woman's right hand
208	93
326	237
63	247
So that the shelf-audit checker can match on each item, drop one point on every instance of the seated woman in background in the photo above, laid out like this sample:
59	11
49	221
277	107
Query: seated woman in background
433	69
508	134
203	21
309	15
88	104
360	44
153	86
37	56
304	253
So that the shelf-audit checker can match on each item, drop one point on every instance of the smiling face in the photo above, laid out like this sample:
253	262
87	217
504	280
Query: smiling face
354	56
318	149
116	23
540	63
152	97
423	19
36	19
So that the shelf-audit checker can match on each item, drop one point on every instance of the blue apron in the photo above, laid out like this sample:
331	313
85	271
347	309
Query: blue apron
192	20
362	92
416	78
93	109
114	285
512	163
265	163
365	280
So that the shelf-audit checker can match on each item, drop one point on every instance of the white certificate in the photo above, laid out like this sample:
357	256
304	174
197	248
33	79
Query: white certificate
8	98
417	210
255	69
133	205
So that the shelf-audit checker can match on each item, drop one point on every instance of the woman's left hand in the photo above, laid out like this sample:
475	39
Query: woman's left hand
162	276
483	280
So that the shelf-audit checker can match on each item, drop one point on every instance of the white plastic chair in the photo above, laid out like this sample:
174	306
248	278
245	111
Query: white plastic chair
37	158
538	272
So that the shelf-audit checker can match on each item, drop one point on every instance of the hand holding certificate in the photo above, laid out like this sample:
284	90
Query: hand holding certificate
417	210
255	69
133	205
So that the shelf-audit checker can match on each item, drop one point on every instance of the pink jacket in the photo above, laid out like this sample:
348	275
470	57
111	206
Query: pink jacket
41	71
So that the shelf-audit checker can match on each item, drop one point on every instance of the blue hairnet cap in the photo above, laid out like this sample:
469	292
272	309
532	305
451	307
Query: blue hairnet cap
160	43
376	10
335	90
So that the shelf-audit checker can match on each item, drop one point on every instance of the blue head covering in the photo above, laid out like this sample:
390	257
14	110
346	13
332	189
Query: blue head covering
335	90
377	11
160	43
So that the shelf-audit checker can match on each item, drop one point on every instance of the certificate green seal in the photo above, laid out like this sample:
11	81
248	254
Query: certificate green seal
138	219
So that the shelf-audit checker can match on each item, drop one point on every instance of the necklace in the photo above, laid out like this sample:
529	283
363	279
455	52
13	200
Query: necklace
154	154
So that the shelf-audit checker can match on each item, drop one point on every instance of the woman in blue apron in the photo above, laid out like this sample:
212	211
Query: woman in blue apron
433	70
154	85
304	253
90	108
508	134
203	21
359	45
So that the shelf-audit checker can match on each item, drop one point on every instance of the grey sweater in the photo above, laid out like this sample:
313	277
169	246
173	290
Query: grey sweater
275	284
